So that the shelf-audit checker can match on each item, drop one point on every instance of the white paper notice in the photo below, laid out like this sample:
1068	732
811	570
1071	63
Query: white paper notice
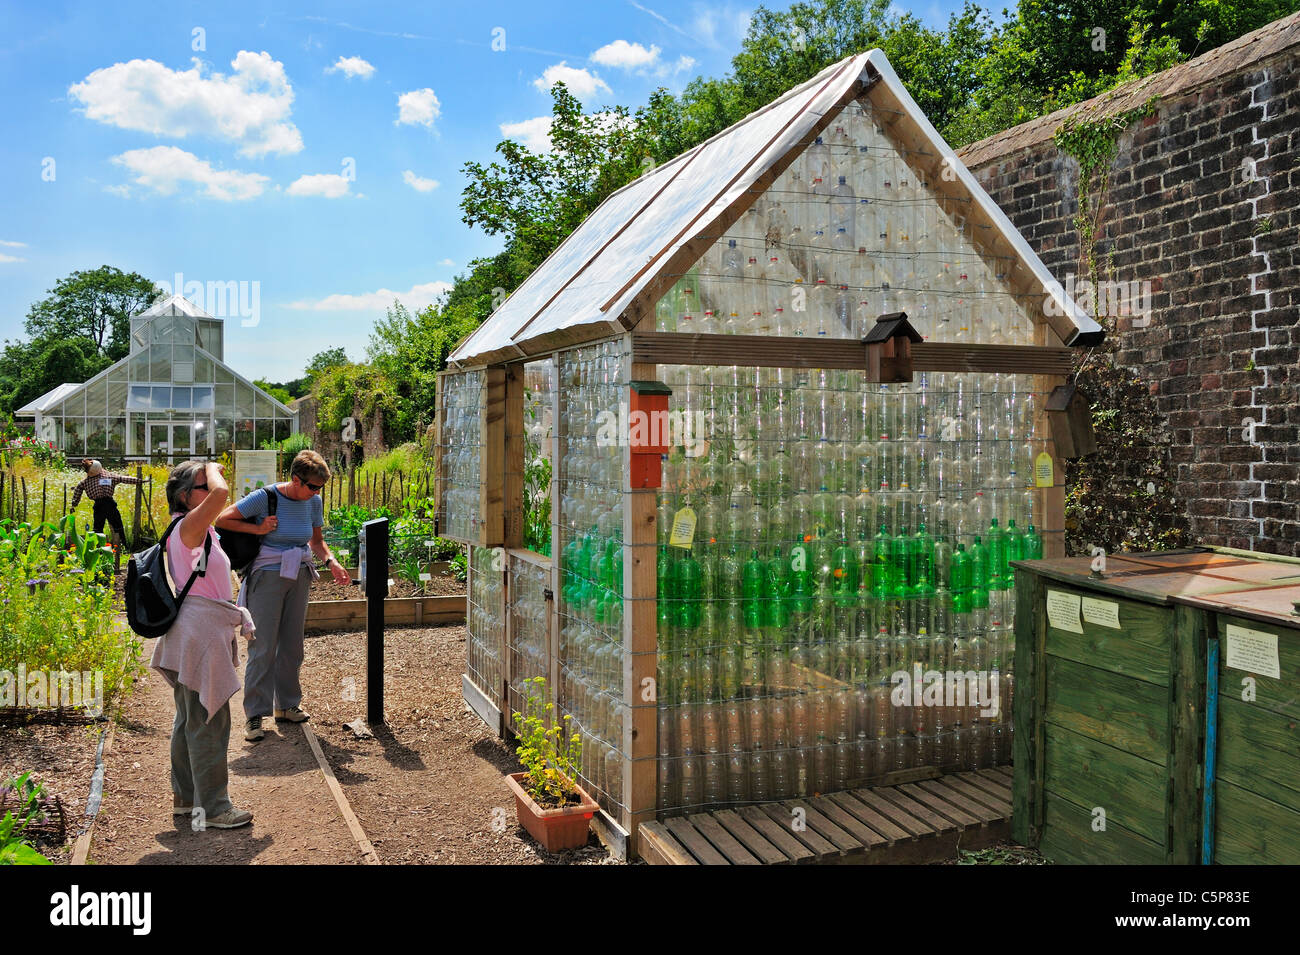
1253	651
1063	611
1103	613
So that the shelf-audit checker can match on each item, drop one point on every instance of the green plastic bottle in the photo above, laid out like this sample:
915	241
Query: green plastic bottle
979	572
777	591
922	574
882	583
844	576
961	580
1033	544
1015	545
689	591
800	579
751	590
997	547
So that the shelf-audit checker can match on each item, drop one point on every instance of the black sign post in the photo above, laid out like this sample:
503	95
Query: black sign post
374	581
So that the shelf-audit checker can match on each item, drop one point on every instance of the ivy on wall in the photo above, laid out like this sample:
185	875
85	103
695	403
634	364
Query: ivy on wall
1120	498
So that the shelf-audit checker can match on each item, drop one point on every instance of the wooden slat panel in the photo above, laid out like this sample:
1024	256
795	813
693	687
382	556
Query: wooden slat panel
695	843
658	847
1140	649
897	822
942	805
1259	751
850	824
1275	696
1132	790
1251	830
1186	735
1069	838
723	841
980	791
842	840
917	811
959	795
1118	710
992	794
780	814
776	834
683	348
747	836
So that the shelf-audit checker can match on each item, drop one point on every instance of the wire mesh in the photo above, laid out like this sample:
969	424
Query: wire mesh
485	621
460	447
589	538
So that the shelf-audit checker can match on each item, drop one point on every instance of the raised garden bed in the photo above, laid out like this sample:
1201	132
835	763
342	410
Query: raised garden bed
418	611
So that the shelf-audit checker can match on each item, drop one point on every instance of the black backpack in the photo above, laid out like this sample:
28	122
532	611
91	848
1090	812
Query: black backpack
151	607
242	547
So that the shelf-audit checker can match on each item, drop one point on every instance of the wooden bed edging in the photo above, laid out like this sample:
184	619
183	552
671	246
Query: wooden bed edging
421	611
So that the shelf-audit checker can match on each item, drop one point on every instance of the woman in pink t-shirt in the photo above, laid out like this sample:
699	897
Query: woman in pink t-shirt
200	770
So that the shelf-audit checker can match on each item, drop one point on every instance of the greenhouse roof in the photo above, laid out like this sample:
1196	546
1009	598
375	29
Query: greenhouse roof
175	305
597	283
50	398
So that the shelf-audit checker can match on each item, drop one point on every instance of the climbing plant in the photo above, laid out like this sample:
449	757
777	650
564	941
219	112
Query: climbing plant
1093	143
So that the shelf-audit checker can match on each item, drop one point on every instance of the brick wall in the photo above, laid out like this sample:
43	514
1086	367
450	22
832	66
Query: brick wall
1203	203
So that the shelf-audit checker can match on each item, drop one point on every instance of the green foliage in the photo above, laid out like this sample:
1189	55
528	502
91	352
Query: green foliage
278	392
57	605
537	489
410	350
550	755
30	805
96	305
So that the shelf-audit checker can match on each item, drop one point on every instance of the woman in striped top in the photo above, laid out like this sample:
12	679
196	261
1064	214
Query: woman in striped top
98	486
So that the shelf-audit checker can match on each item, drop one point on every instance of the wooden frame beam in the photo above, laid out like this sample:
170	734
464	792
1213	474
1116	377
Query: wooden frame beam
640	642
513	479
677	348
492	425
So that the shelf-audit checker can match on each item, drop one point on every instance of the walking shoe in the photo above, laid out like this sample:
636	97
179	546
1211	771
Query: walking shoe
253	729
232	818
293	714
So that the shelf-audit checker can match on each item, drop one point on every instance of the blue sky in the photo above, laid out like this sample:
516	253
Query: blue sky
310	153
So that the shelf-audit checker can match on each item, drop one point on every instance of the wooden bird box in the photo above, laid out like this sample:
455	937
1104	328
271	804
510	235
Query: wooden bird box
889	349
1070	418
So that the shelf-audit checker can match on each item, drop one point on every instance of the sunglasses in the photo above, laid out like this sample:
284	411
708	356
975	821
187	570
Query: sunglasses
312	487
200	487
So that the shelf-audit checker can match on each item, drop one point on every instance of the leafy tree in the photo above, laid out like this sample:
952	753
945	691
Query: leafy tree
276	391
96	305
30	369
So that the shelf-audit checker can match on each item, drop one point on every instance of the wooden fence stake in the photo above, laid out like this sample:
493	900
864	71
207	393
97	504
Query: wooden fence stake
42	500
139	493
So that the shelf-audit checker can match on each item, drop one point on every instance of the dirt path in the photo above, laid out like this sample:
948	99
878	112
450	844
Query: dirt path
295	819
428	788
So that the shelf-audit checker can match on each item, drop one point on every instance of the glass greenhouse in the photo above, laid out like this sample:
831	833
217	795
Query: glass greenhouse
859	363
171	398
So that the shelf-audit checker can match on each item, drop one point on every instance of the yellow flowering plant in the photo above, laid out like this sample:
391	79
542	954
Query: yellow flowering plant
550	755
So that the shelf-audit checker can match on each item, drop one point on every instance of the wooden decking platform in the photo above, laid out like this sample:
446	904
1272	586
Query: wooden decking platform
919	822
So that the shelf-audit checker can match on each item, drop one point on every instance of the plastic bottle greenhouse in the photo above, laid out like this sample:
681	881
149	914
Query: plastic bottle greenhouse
742	464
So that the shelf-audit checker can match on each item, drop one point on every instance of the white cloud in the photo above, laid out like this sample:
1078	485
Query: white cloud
419	183
415	299
447	262
164	168
351	66
14	245
11	258
534	134
250	107
326	184
581	83
122	190
731	22
418	107
680	65
626	55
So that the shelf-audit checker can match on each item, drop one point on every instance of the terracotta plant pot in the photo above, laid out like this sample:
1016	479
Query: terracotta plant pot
555	829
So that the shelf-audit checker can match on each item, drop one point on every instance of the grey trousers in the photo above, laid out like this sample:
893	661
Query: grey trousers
279	609
200	770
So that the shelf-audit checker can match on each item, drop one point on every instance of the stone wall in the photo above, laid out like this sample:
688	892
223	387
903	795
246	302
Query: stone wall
1204	205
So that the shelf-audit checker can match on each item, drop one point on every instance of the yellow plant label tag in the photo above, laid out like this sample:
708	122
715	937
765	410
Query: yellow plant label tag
1043	474
683	528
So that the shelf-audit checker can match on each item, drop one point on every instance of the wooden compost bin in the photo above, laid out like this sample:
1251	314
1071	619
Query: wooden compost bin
1141	735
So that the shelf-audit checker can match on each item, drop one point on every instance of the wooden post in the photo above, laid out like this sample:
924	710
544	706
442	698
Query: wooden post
1187	734
139	494
640	639
557	577
65	496
1050	501
513	488
352	475
24	498
492	424
1026	796
42	500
